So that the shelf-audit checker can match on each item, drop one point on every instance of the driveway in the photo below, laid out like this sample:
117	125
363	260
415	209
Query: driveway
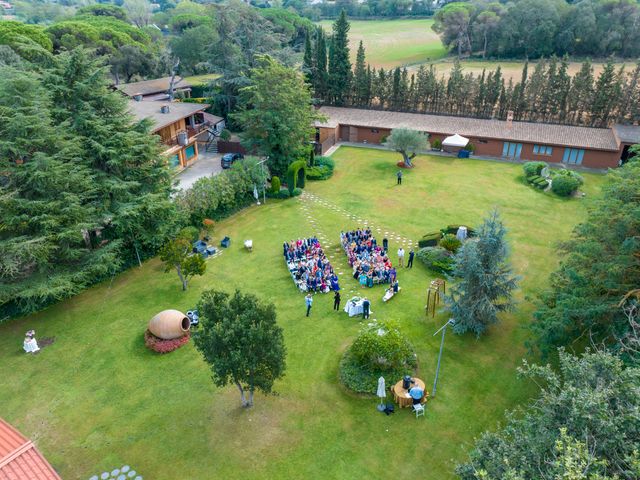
206	165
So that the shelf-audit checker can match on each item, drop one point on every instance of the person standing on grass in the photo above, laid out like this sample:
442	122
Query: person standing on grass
308	301
401	257
365	307
336	301
399	175
385	244
410	262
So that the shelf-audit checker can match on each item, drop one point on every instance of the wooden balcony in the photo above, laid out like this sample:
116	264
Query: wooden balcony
191	133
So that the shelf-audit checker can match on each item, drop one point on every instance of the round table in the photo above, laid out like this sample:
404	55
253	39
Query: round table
402	397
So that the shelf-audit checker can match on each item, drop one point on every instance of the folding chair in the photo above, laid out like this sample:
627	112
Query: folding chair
418	408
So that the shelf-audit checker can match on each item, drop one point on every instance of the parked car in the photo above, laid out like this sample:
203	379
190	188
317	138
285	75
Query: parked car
228	159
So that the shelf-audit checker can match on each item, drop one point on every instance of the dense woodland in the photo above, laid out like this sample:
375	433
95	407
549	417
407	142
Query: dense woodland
546	91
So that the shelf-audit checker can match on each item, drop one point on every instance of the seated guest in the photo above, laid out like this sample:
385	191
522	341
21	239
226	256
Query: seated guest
416	394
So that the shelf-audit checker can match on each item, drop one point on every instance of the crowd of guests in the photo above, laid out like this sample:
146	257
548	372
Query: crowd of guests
370	262
309	266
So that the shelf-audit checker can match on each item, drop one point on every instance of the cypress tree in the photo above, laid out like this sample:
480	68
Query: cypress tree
308	61
360	82
339	63
606	96
581	92
487	281
321	83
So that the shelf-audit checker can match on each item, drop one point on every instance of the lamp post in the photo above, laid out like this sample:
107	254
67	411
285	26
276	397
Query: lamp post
443	328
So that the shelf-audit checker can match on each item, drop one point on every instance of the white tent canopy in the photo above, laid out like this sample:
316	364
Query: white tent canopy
455	141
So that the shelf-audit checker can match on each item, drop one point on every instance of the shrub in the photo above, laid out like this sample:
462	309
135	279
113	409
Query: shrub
450	242
564	185
470	147
164	346
437	259
295	178
379	349
437	144
563	172
453	229
322	170
533	178
533	168
430	240
225	135
297	192
326	161
275	184
284	193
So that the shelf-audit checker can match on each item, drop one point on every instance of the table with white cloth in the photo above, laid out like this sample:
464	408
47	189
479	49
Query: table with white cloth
354	307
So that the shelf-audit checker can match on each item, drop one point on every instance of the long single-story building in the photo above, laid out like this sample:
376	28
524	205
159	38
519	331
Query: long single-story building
571	145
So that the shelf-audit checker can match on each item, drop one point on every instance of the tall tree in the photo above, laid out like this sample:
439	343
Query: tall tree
360	79
277	123
321	83
241	341
452	22
486	280
600	265
340	74
308	60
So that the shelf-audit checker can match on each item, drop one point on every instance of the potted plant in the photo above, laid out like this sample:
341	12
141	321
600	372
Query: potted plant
436	145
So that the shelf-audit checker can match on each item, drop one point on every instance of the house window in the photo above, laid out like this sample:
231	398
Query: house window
573	156
482	141
174	161
542	150
375	130
512	150
190	152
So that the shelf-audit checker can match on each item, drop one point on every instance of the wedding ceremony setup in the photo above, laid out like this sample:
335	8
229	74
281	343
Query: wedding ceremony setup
370	263
309	266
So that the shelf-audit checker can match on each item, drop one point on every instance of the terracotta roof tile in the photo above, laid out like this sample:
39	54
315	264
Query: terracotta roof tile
528	132
20	459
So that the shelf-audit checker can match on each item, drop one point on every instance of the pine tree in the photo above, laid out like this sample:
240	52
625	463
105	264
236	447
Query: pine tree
339	63
487	281
360	81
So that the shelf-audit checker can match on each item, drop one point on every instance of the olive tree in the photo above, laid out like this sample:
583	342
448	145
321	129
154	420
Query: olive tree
407	142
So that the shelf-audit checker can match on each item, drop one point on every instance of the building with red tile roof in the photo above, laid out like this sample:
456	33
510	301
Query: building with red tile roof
20	459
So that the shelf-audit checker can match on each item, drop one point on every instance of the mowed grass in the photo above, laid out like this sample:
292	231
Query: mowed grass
391	43
97	399
412	42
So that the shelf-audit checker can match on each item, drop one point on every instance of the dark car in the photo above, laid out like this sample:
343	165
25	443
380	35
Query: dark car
228	159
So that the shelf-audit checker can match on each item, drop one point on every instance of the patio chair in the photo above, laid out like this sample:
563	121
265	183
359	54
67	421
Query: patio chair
418	408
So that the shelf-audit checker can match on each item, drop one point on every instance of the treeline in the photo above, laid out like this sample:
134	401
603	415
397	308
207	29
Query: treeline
540	28
353	8
547	94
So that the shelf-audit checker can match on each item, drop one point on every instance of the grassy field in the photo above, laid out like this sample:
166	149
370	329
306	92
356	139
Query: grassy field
202	79
390	43
412	42
97	398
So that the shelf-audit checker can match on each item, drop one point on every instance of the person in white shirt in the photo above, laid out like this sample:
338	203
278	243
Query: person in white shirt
401	257
30	344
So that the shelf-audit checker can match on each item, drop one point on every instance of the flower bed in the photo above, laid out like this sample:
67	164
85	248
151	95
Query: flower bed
164	346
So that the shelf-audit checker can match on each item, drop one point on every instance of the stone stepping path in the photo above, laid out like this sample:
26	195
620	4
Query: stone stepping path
307	199
123	473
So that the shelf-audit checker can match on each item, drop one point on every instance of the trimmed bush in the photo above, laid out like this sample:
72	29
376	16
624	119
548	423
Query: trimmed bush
296	174
470	147
533	168
297	192
438	259
450	242
564	185
563	172
225	135
430	240
378	350
275	184
284	193
323	169
437	144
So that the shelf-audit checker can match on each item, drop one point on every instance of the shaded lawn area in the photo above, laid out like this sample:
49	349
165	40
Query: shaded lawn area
97	399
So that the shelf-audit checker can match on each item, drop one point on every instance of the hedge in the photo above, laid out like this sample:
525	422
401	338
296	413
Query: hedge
294	178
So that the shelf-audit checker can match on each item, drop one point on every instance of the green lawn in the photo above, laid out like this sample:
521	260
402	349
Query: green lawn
390	43
202	79
97	399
